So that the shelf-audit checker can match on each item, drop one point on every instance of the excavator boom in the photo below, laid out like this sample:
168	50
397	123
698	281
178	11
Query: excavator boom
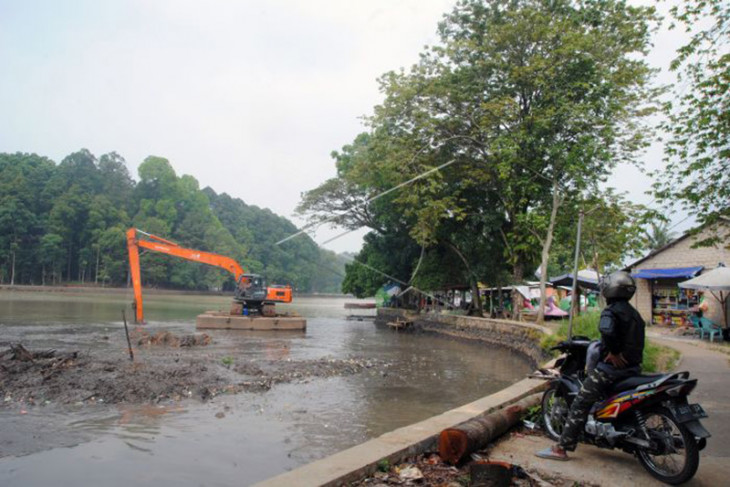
159	244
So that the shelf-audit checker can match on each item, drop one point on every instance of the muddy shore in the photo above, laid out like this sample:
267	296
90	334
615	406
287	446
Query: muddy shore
166	367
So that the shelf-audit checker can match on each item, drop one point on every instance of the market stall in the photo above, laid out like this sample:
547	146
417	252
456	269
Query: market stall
670	304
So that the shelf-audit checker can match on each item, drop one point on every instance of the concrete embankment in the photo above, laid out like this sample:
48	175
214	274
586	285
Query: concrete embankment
523	338
362	460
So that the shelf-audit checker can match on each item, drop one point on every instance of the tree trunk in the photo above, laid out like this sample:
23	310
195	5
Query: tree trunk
461	440
12	269
546	244
68	264
96	271
43	275
518	272
475	301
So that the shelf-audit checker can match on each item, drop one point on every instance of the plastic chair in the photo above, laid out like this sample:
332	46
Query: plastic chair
710	328
696	325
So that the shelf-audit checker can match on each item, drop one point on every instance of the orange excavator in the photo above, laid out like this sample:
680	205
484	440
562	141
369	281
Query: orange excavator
252	295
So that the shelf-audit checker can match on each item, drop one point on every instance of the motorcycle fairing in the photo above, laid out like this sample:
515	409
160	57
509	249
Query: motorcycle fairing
617	405
623	401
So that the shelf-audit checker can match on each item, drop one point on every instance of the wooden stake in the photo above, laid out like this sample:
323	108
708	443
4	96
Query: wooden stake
126	331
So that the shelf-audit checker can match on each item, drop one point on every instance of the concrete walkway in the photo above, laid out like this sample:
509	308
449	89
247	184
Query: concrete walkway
615	468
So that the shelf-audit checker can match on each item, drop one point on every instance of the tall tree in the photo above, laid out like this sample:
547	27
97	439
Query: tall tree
524	103
697	170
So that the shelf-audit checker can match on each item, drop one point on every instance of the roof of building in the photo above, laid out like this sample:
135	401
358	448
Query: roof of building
587	278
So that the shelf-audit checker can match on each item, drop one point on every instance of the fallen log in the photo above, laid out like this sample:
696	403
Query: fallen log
20	353
465	438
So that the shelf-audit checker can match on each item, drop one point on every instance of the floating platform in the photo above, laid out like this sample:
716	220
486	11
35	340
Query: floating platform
359	305
225	321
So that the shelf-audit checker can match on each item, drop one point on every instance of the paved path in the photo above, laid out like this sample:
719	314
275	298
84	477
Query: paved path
615	468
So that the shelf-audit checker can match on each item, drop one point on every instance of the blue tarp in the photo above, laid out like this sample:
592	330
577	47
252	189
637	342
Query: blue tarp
671	273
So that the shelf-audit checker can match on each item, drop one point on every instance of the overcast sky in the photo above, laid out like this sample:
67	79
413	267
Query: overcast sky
249	97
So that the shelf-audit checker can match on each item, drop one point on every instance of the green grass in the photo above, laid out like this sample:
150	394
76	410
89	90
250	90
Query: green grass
657	358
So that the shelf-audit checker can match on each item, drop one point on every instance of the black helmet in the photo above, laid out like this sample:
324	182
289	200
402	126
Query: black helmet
619	285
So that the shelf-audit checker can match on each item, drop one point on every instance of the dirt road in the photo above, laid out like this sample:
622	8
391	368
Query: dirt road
613	468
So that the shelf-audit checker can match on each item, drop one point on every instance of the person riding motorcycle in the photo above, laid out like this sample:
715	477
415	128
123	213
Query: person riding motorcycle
620	354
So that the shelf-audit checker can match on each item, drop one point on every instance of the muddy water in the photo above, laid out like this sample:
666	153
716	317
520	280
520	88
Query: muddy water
233	439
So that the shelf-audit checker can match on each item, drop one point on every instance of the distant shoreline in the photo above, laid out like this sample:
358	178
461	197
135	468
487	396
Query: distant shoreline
74	288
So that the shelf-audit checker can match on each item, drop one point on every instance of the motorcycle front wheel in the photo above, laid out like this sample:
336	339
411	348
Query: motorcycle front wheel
676	458
554	411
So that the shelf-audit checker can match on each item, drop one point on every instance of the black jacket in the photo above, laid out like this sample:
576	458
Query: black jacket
622	331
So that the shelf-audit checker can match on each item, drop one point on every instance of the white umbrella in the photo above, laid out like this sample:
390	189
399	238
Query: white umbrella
718	279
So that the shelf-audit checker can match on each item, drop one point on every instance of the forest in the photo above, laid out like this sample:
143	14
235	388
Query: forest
65	223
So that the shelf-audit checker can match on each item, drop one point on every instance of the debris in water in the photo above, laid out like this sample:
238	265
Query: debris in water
168	339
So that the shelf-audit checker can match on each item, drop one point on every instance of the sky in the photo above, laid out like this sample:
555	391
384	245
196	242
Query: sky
249	97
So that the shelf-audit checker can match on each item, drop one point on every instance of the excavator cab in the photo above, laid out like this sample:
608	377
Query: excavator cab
251	289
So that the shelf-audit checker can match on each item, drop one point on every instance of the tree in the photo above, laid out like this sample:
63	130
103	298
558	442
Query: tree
659	236
51	253
697	152
528	103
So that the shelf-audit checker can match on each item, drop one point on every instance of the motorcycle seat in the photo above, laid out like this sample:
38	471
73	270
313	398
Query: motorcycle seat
634	382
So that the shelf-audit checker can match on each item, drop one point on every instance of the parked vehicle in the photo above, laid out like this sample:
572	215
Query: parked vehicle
648	416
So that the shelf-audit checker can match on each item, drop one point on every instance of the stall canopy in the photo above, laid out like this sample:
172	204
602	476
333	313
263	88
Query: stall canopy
668	273
587	279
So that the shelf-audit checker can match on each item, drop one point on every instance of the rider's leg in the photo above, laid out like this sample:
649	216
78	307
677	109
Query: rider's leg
592	390
593	354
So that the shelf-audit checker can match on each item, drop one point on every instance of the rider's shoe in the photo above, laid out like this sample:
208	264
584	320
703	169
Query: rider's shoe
553	453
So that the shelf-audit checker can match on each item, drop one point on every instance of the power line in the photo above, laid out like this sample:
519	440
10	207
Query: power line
380	195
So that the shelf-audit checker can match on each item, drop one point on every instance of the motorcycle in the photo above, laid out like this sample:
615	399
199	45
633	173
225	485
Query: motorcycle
648	416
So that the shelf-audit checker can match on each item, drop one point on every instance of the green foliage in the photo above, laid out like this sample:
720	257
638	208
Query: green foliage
520	99
658	358
228	361
584	324
384	465
659	235
67	222
533	413
697	172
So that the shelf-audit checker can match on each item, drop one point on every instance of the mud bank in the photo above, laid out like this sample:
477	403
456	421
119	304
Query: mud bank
523	338
167	367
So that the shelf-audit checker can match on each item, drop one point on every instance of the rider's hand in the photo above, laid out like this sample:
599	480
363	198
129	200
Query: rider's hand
617	360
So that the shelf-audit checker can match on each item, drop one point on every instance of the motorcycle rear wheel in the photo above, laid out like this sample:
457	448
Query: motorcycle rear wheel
680	457
554	411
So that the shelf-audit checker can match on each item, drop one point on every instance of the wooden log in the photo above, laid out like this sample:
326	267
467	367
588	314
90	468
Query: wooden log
20	353
465	438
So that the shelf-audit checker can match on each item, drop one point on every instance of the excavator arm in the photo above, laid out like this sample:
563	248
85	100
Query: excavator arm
159	244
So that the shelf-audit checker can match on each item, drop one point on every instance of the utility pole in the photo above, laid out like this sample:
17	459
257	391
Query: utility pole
574	296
